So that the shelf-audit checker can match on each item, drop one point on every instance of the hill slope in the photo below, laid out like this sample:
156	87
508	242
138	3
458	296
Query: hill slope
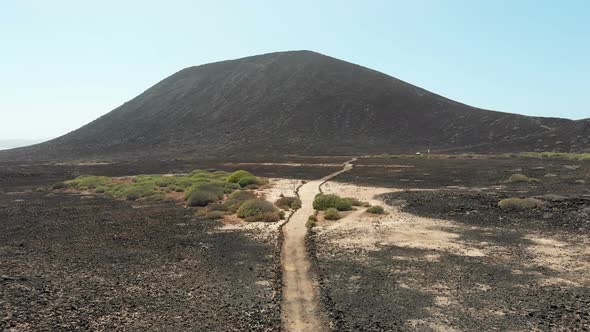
299	102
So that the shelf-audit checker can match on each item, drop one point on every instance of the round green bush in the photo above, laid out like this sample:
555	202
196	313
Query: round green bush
325	201
255	208
236	176
287	203
517	203
332	214
343	205
270	217
248	181
376	209
201	198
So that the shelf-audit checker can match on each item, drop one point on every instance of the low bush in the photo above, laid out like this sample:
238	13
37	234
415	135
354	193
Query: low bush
257	210
343	205
332	214
249	181
287	203
213	215
200	187
87	182
353	201
201	198
376	209
236	176
136	192
323	202
157	198
271	217
561	155
311	222
237	198
520	203
521	178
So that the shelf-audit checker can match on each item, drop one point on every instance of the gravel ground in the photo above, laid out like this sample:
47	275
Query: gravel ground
72	263
501	270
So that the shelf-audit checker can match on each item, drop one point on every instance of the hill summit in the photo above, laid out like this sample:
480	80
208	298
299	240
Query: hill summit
300	102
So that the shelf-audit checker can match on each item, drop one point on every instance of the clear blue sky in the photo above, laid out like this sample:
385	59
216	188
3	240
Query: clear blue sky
65	63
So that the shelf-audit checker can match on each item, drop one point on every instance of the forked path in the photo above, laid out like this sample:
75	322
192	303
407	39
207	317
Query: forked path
300	307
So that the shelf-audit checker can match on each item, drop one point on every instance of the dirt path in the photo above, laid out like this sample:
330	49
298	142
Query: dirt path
300	307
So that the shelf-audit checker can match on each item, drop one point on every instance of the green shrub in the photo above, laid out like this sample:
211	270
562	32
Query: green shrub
343	205
376	209
237	198
138	191
86	182
311	221
256	209
215	188
236	176
287	203
214	215
248	181
353	201
230	187
156	198
332	214
521	178
201	198
562	155
520	203
271	217
325	201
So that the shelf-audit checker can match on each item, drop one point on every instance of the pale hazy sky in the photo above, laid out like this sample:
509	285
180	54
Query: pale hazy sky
65	63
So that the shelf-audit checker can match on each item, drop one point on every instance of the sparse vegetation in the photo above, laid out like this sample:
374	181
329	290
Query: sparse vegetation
376	209
87	182
257	210
353	201
236	176
200	187
332	214
287	203
520	203
323	202
236	199
560	155
515	178
311	221
201	198
213	215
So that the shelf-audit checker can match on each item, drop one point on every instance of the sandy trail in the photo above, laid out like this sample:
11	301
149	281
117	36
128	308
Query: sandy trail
300	307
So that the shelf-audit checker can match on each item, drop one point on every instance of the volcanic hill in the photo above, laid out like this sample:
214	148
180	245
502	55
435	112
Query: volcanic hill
299	102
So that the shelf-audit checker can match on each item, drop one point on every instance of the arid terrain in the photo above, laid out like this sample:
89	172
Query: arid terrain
443	257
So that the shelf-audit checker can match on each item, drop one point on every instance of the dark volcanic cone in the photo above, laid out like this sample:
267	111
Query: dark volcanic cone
299	103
